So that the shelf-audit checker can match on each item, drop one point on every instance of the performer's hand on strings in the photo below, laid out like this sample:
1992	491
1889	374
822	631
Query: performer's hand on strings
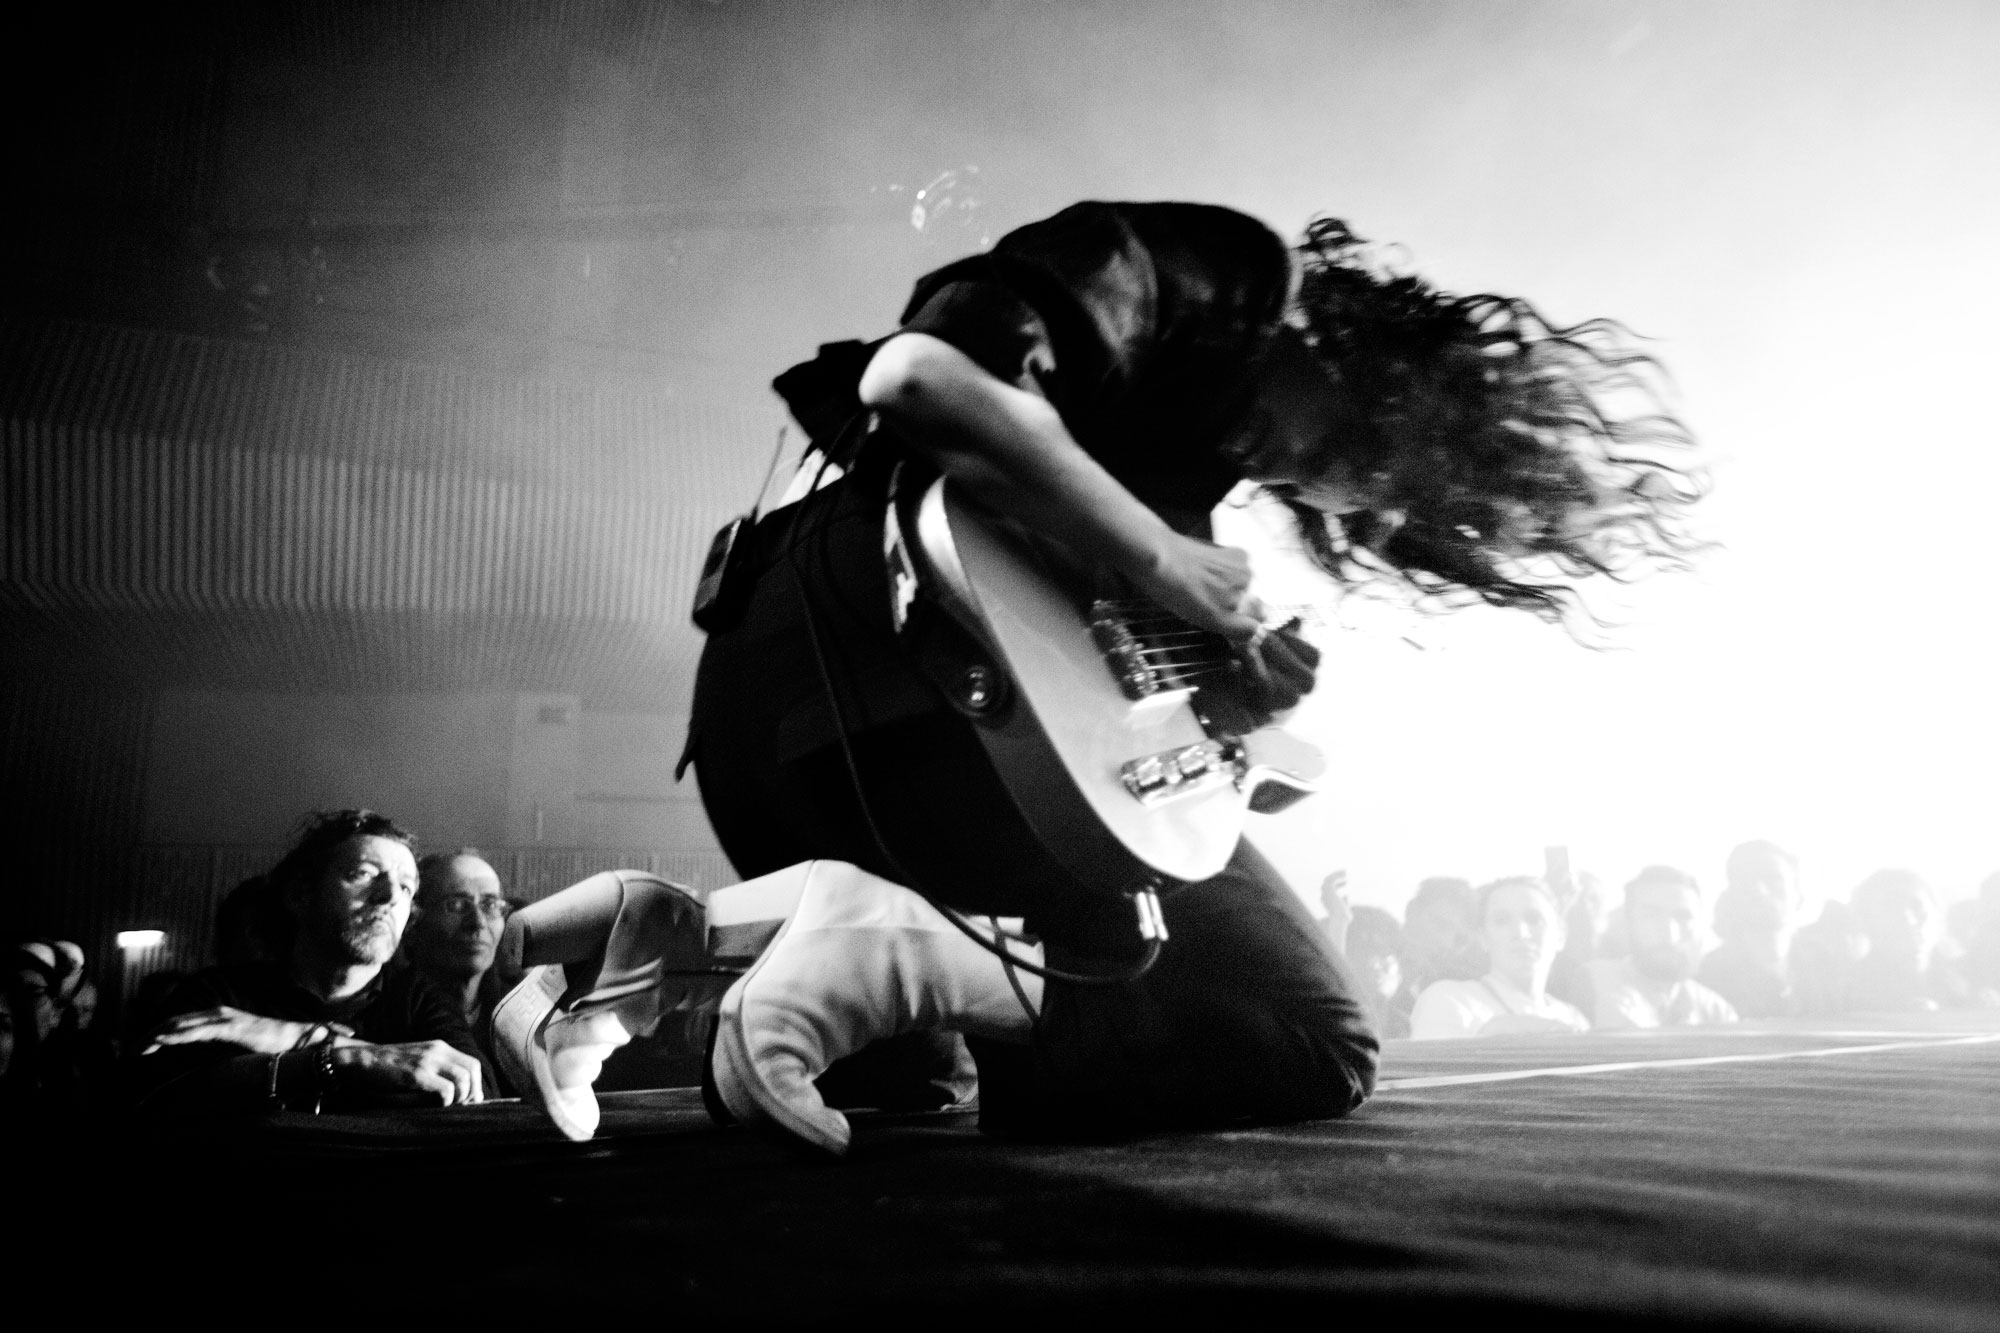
1204	584
1281	667
1209	587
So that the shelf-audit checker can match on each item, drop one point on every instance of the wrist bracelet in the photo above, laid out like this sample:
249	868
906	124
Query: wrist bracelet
323	1066
271	1093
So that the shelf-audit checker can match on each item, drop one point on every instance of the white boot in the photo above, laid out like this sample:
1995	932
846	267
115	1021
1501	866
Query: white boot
860	959
610	956
523	1040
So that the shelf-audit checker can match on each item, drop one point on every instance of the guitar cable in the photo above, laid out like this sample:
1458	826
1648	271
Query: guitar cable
994	944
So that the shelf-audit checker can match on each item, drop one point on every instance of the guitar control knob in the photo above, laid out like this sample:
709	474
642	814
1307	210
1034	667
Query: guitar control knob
977	688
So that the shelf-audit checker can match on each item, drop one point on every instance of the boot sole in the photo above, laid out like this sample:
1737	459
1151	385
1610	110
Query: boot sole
534	1072
531	995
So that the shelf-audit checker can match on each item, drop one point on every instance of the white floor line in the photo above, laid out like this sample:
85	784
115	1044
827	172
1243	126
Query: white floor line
1558	1071
1879	1034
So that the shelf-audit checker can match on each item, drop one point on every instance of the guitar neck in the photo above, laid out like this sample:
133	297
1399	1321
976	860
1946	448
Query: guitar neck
1277	615
1151	651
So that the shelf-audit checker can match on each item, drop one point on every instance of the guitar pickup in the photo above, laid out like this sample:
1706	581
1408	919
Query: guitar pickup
1183	771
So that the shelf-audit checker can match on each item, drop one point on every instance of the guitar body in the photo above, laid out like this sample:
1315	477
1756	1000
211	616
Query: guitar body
1118	788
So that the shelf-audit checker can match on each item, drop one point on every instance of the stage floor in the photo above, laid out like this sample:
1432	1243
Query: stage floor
1840	1176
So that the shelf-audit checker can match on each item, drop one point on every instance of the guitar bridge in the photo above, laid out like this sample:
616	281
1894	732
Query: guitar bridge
1185	770
1123	652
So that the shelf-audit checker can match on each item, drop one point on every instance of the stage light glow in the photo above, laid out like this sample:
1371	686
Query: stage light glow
141	939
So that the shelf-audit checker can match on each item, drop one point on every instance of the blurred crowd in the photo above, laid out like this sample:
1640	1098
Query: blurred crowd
358	974
1558	952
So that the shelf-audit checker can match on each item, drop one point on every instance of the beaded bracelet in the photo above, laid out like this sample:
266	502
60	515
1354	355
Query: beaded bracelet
323	1066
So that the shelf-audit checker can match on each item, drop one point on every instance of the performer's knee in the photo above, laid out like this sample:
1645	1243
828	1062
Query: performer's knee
1345	1077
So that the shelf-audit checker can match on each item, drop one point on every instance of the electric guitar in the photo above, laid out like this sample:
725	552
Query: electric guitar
1122	733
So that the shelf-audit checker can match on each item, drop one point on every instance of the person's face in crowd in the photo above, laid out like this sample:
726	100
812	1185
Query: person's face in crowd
42	1009
1436	932
1841	930
1902	926
1381	972
1782	898
357	908
1781	879
1668	932
1524	933
1759	914
459	918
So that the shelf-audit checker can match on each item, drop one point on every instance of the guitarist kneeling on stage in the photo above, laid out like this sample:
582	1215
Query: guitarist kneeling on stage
1099	382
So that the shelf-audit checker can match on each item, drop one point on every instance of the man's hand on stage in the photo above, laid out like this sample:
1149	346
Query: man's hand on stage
230	1027
430	1067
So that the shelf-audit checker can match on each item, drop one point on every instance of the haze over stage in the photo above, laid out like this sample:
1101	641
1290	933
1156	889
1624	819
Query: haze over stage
1842	1176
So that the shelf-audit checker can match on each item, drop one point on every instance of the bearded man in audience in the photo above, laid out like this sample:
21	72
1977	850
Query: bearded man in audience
322	1024
1653	986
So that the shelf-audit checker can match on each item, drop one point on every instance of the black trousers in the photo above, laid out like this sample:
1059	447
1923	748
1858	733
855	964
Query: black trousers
1247	1015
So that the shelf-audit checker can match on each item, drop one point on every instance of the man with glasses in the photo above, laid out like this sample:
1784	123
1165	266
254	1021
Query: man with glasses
455	932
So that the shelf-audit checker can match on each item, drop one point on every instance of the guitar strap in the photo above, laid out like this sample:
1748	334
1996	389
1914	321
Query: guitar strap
726	573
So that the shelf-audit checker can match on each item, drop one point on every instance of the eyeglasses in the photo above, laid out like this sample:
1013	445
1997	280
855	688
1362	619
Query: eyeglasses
461	905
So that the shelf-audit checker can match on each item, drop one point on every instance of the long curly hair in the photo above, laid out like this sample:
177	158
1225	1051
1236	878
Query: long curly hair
321	833
1506	459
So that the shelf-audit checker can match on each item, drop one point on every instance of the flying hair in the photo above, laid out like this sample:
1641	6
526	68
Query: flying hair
1505	459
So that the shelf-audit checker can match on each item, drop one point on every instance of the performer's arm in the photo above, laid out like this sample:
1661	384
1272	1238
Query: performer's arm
1010	449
